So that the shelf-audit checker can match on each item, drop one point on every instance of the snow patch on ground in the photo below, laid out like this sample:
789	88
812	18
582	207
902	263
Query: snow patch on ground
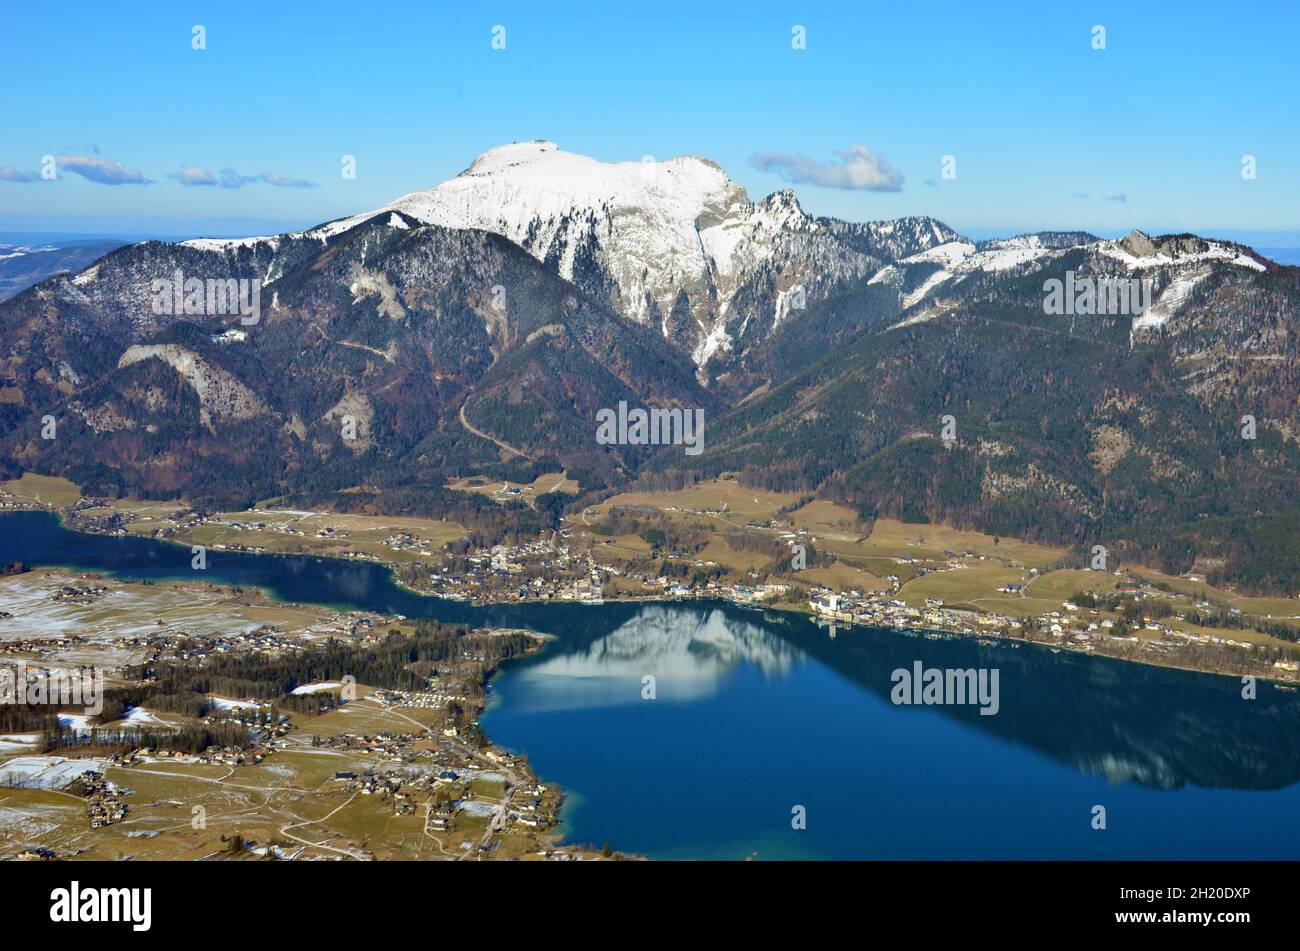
221	703
25	823
718	339
317	687
947	255
1171	300
229	244
139	716
931	282
79	723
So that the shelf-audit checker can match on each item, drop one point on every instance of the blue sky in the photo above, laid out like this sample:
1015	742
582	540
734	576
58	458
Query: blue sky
1046	131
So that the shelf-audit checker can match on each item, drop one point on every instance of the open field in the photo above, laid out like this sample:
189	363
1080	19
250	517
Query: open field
959	585
1058	586
326	533
866	554
148	513
42	490
844	577
1235	634
719	552
821	517
741	503
892	537
1278	610
274	530
505	491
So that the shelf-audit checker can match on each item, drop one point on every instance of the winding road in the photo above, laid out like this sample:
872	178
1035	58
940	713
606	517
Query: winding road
490	438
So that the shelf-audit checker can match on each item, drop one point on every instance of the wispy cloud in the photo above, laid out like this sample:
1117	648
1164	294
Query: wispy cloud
197	175
100	170
10	174
275	178
856	168
1119	197
193	175
232	179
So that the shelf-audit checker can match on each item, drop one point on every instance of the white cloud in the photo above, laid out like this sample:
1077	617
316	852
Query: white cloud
275	178
101	171
193	175
856	167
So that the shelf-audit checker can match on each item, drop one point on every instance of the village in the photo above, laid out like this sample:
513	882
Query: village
385	771
572	564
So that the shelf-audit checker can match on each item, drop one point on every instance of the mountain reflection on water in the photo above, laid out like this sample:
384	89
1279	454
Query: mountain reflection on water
689	653
1127	722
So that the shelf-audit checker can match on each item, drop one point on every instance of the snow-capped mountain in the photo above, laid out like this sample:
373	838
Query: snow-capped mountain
478	327
673	244
1174	263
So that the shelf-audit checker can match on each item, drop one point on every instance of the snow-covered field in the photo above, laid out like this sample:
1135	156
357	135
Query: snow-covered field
221	703
317	687
78	722
46	772
122	612
139	716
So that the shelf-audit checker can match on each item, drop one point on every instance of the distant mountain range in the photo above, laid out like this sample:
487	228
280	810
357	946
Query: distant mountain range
478	326
23	264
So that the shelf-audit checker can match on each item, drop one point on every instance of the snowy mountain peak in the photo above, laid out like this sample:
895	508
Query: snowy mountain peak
640	235
511	186
504	156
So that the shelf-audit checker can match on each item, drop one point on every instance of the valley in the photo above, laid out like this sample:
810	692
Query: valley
302	548
721	540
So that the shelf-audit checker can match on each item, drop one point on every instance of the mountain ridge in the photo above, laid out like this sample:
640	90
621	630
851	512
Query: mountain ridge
823	352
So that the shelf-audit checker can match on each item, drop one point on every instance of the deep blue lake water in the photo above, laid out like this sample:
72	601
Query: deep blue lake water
756	714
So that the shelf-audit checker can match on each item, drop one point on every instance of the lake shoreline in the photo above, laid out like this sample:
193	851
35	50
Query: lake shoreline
748	676
1157	660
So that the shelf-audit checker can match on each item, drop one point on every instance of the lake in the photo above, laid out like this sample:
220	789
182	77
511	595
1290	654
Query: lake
761	721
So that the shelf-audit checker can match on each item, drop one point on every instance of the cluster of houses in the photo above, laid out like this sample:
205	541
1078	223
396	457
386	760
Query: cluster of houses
394	747
884	611
262	722
233	755
104	804
9	501
1082	628
420	699
38	645
88	594
544	563
224	755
